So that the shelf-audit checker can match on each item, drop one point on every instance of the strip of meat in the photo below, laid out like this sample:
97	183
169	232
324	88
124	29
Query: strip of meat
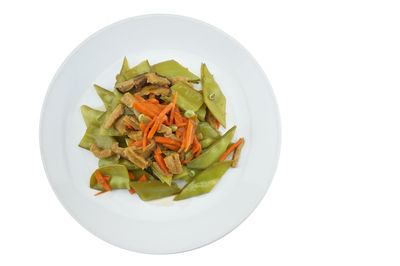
100	153
135	135
180	79
131	120
155	79
115	114
137	83
236	155
128	99
131	155
166	130
155	89
119	125
173	163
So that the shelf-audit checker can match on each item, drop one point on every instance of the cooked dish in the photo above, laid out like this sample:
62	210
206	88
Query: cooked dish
157	129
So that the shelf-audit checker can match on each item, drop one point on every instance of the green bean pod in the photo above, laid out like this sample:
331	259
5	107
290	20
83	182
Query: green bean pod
188	98
151	190
141	68
171	68
163	178
213	96
201	113
214	152
207	131
204	181
119	177
124	69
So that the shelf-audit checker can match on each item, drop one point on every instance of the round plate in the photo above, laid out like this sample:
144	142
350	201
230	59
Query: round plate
162	226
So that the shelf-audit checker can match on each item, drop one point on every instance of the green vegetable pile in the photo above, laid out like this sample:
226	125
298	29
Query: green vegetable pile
157	129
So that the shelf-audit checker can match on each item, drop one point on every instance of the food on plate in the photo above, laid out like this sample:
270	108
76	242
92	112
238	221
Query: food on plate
159	135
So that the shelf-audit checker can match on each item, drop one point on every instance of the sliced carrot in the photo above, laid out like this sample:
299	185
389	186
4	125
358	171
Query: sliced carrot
188	159
152	100
137	143
101	192
196	147
160	161
171	147
171	117
149	109
144	144
131	176
218	124
166	140
166	86
143	178
128	125
230	149
181	124
107	178
142	127
178	117
179	132
132	191
102	181
139	98
189	132
159	119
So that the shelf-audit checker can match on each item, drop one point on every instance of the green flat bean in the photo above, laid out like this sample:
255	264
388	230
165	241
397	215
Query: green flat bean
124	68
119	177
205	143
91	116
201	113
151	190
213	96
163	178
207	131
171	68
141	68
188	98
214	152
105	95
204	181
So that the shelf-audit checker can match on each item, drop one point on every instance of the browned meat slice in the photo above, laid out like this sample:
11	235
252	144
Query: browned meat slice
173	163
100	153
145	120
166	130
158	168
149	149
180	79
132	155
155	89
115	114
137	83
135	135
119	125
136	158
212	120
125	85
155	79
131	120
128	99
236	155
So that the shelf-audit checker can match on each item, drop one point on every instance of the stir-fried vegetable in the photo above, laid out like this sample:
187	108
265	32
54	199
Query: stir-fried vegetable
158	128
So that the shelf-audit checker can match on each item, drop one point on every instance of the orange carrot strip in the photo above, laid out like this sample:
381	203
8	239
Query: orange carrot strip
128	125
132	191
178	117
152	100
218	124
101	180
166	86
171	117
101	192
158	120
166	140
136	143
230	149
143	178
131	176
189	132
179	132
139	98
188	159
144	144
183	140
180	124
171	147
196	147
142	127
107	178
160	160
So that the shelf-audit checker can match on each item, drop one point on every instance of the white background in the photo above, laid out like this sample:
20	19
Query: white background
334	67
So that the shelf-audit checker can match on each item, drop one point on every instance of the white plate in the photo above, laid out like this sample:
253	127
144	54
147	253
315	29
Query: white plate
161	226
